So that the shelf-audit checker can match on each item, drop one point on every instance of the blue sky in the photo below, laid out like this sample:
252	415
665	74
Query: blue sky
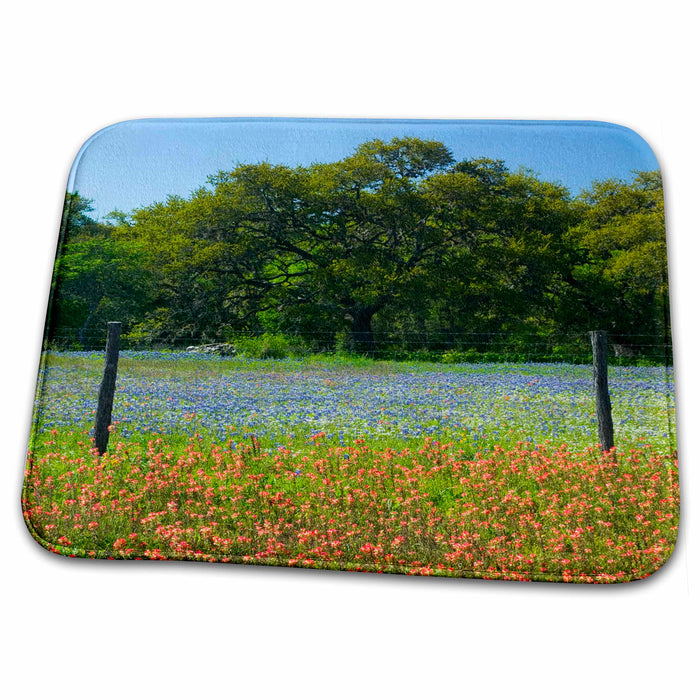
135	163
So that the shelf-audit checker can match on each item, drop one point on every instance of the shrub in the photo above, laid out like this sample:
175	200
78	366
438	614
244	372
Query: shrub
274	346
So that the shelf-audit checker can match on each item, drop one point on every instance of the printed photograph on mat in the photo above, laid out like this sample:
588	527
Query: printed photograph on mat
417	347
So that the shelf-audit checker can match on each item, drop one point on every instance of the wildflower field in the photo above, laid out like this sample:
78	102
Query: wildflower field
483	470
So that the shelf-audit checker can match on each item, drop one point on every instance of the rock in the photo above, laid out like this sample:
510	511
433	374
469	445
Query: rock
225	349
623	350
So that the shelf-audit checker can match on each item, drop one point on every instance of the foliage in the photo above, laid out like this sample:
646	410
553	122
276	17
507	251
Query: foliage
620	278
98	277
275	346
396	249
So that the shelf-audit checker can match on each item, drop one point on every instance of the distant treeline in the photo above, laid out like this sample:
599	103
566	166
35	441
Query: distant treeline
395	248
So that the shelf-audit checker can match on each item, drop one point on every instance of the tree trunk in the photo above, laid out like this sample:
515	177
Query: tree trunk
82	331
361	328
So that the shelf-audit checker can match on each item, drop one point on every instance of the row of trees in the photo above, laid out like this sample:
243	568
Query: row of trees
396	242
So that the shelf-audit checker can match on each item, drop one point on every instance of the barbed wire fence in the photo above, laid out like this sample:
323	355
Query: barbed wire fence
436	346
626	347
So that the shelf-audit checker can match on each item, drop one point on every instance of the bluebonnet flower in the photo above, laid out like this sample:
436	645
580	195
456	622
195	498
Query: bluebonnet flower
228	398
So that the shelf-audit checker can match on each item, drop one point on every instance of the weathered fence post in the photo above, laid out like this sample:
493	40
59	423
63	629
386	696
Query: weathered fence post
103	419
602	396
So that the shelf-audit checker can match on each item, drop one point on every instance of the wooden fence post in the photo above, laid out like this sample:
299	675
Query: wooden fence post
103	419
602	396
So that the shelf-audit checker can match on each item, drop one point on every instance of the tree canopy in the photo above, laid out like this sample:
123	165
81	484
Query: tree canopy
397	240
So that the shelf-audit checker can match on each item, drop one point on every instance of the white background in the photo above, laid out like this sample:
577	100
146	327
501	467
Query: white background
84	629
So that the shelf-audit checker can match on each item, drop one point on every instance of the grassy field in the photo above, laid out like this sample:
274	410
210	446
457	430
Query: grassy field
463	470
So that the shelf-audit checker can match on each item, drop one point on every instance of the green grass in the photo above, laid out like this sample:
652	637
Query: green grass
459	470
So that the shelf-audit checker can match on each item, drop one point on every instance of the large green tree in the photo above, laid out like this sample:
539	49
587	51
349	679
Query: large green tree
98	277
395	242
327	246
396	235
619	276
505	268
